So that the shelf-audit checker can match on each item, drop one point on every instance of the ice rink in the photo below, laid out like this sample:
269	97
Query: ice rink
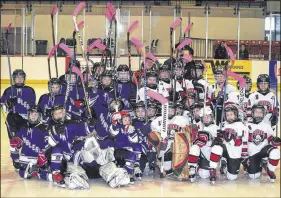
151	186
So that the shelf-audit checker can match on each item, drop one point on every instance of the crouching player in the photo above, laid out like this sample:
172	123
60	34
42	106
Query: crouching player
262	146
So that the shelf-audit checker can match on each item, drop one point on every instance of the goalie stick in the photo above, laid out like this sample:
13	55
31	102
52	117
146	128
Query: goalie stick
164	124
54	10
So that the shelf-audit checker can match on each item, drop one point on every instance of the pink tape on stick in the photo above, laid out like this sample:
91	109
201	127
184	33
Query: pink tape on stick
153	58
136	42
156	96
187	28
132	26
54	10
187	58
52	51
242	81
78	72
9	26
65	48
230	53
108	15
79	8
111	8
101	46
184	43
176	22
93	44
79	25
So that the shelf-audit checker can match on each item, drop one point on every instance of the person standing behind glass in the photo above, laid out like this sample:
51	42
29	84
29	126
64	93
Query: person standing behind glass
243	53
221	52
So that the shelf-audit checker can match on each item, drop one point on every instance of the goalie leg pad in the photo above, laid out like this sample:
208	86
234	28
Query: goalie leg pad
76	181
114	176
180	152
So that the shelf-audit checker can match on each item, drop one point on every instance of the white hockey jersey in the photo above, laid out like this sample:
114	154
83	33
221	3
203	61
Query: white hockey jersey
164	88
258	135
239	130
269	100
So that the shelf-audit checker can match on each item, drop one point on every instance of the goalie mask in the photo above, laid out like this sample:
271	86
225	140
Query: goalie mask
197	70
206	115
263	84
258	113
58	114
106	80
54	86
164	73
178	71
19	78
140	111
151	109
231	113
34	115
115	105
152	79
123	73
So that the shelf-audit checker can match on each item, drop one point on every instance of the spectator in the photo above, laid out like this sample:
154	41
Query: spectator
221	52
243	53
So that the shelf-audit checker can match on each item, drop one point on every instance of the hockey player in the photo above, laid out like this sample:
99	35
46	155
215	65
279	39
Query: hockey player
152	84
98	69
126	142
233	148
190	98
32	139
262	144
215	93
264	97
126	89
164	80
18	98
199	154
150	66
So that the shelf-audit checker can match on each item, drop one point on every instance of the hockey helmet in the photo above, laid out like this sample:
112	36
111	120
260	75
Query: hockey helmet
58	114
139	109
164	73
152	79
262	80
123	73
19	77
34	115
258	116
115	105
54	86
231	118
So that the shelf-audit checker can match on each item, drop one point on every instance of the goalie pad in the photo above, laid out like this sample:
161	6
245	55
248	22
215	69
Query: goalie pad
76	177
154	139
114	176
180	151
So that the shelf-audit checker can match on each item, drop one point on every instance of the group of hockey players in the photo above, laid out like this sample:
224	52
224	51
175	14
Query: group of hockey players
70	135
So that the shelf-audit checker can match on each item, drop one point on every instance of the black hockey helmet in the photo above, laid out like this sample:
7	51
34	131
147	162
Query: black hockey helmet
98	69
152	108
34	120
178	70
150	74
248	82
61	118
179	108
140	105
164	73
197	70
54	81
259	118
123	73
75	63
234	109
106	73
263	78
196	108
172	109
19	73
115	105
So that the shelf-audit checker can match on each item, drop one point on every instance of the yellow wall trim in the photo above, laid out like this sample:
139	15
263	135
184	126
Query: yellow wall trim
7	81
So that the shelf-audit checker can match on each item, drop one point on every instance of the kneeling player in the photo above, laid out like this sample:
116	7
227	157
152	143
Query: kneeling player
262	144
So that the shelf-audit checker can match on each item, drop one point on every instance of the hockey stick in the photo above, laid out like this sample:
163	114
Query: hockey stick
110	17
54	10
187	58
206	87
70	54
172	27
49	57
187	29
74	15
154	59
8	56
164	125
139	46
277	104
113	14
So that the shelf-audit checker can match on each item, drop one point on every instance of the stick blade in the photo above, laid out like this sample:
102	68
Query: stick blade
9	26
111	8
79	25
136	42
151	56
187	28
157	96
54	10
65	48
132	26
78	8
93	44
175	23
54	48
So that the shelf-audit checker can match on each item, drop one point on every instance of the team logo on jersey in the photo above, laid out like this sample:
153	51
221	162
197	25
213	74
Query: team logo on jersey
265	103
172	128
258	136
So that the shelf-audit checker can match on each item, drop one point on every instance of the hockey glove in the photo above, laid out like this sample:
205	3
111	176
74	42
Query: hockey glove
80	103
228	137
220	133
217	141
91	122
48	112
273	120
16	142
115	117
42	160
11	102
275	141
200	142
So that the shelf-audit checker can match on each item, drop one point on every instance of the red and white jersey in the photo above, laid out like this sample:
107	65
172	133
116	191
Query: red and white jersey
239	131
164	88
141	93
258	135
269	100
